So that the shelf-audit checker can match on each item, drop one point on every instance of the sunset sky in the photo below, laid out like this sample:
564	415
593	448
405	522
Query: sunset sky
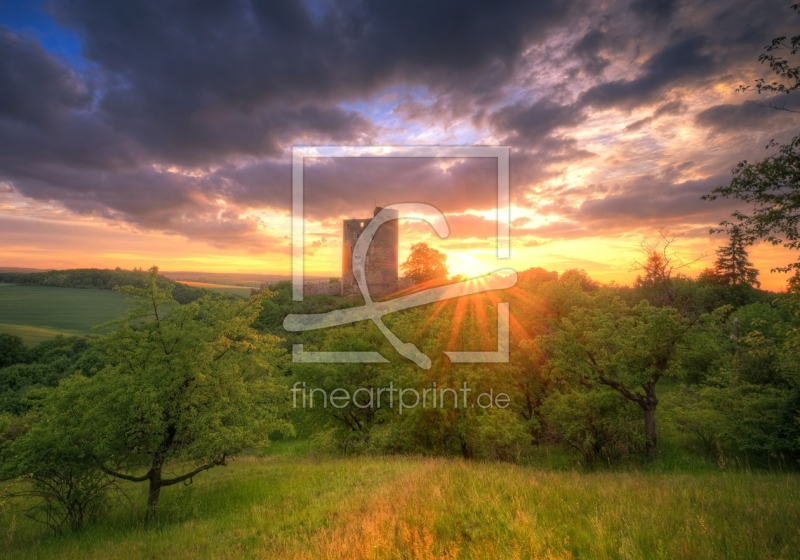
141	133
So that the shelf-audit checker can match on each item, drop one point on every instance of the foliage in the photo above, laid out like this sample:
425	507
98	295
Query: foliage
424	263
44	366
50	475
191	384
749	398
780	66
662	280
732	266
314	383
690	414
12	350
500	437
599	424
627	349
772	186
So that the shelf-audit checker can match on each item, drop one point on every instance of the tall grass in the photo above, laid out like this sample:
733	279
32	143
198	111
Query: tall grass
292	506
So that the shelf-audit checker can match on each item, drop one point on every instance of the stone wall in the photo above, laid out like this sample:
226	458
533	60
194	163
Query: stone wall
381	265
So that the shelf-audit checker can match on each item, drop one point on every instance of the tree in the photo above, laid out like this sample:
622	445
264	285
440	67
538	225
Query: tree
191	384
732	266
780	67
596	423
660	266
772	185
627	349
45	365
12	350
317	386
49	473
425	263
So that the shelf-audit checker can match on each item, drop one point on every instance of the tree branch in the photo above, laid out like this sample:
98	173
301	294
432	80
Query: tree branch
125	476
219	462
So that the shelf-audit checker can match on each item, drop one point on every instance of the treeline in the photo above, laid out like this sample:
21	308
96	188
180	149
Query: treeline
101	279
708	368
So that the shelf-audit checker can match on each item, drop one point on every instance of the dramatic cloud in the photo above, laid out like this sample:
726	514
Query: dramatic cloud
179	120
679	62
744	116
589	50
34	87
531	125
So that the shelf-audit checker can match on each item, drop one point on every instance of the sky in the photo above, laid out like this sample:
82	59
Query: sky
142	133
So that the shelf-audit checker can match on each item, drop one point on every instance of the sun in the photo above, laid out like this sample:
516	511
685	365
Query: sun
467	265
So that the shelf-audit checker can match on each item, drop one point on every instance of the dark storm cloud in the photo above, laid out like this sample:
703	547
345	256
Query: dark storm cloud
200	86
646	203
34	86
194	82
350	186
747	115
589	49
531	124
650	198
182	116
680	61
658	10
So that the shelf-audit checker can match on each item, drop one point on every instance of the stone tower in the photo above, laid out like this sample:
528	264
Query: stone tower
381	265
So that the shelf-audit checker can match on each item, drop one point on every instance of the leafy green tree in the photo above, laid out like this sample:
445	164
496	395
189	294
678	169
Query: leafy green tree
45	365
732	266
318	389
772	185
48	471
12	350
749	398
627	349
424	264
595	423
186	384
691	416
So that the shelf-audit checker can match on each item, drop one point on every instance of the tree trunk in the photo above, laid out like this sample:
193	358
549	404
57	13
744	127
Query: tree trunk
465	451
650	430
153	493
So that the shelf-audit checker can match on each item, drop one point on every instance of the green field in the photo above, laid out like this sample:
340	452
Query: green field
299	506
36	313
222	288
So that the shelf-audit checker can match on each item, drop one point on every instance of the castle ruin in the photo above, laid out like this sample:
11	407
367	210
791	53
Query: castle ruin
382	256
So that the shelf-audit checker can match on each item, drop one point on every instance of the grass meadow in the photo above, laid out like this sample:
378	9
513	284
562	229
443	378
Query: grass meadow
36	313
296	506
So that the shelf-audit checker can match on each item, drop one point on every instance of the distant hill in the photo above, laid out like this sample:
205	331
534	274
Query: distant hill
101	279
17	269
248	279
